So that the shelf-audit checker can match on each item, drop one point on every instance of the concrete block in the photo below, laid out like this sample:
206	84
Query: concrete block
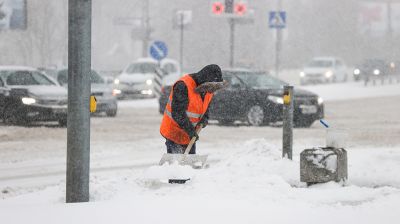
321	165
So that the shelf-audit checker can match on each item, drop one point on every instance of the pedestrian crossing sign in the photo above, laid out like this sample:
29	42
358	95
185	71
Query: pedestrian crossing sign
277	19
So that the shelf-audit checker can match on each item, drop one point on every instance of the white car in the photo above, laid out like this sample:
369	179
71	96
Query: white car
324	70
137	80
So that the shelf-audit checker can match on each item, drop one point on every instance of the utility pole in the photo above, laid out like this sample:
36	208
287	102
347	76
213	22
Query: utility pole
78	121
146	27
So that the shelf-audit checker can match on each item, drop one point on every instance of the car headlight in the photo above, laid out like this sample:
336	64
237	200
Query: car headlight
116	92
28	100
392	65
377	72
149	82
328	74
357	71
276	99
320	100
302	74
116	81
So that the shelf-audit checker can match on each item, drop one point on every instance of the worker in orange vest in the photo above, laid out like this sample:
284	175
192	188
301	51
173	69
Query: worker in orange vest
187	108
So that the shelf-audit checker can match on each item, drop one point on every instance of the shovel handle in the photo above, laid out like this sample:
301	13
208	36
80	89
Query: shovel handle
192	141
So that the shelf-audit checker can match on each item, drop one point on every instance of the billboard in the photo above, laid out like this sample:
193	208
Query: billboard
378	19
13	15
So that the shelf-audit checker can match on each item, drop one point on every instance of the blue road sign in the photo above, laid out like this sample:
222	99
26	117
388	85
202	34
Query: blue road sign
158	50
277	19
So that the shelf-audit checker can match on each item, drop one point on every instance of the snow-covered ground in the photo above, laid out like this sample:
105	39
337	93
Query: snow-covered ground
247	182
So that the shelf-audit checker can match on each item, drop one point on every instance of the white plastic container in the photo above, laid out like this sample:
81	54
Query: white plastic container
336	138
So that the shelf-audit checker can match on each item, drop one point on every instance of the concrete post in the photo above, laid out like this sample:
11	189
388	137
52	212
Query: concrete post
287	148
78	133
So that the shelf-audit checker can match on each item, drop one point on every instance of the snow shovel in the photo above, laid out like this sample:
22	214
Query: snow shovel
193	160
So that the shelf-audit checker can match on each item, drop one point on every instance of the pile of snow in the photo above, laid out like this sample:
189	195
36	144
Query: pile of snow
169	171
251	184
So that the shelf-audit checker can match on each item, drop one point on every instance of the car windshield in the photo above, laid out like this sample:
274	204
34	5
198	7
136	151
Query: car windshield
320	64
141	68
95	78
259	79
25	78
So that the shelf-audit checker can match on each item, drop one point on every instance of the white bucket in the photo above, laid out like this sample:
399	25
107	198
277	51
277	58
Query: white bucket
336	138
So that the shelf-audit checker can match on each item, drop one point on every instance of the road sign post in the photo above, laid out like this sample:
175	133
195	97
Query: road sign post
158	51
78	121
277	21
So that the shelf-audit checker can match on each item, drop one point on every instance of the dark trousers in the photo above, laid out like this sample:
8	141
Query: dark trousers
174	148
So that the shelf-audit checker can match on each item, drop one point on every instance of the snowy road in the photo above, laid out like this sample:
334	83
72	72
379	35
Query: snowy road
245	162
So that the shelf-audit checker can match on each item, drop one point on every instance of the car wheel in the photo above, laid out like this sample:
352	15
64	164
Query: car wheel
255	116
303	123
226	122
111	113
12	117
63	122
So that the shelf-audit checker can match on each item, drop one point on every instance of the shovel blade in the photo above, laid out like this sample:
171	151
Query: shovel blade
193	160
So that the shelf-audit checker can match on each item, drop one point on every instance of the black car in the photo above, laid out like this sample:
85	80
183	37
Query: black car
28	95
256	97
371	69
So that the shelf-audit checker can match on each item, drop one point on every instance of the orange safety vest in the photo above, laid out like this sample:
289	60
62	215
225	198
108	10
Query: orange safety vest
196	109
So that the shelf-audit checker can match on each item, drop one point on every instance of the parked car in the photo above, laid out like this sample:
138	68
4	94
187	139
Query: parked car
104	93
371	68
324	70
28	95
137	80
257	98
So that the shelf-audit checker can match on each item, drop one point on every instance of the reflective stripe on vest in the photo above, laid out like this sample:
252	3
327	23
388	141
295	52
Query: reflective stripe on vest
189	114
170	116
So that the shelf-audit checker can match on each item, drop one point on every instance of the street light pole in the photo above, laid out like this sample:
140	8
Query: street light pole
78	121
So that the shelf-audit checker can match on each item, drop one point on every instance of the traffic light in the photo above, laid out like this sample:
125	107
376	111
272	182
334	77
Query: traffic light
229	8
240	8
218	8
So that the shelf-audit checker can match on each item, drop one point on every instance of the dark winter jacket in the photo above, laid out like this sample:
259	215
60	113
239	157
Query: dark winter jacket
180	101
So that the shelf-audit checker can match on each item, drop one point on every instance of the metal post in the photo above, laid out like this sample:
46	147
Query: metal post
232	42
277	50
278	43
145	21
78	123
181	41
287	149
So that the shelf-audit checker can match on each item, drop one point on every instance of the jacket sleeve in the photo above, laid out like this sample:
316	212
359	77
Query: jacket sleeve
180	102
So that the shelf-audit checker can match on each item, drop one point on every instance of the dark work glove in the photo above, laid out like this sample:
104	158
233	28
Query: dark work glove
194	134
